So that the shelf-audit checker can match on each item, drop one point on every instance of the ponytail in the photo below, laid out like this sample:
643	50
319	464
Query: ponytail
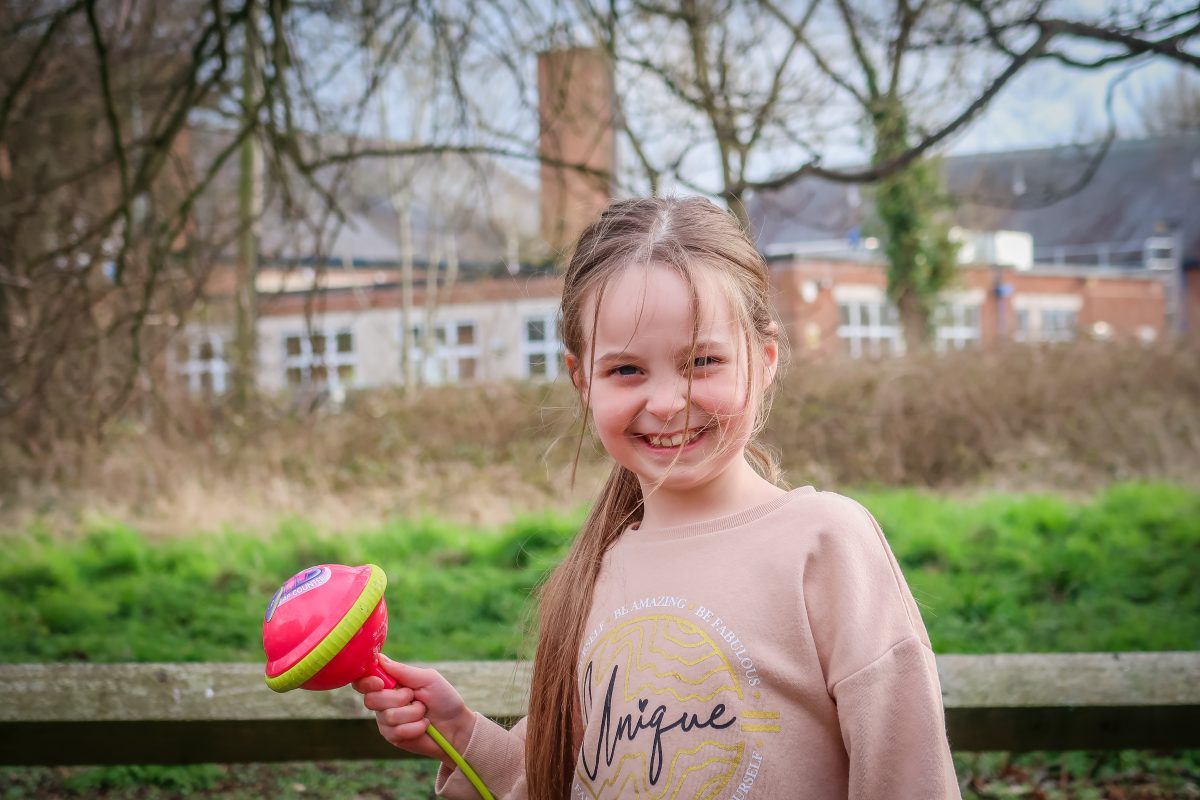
555	724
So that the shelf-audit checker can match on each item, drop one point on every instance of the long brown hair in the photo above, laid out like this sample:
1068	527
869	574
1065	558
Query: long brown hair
683	234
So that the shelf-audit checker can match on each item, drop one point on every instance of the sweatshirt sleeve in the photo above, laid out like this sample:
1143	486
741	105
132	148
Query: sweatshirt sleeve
498	758
878	664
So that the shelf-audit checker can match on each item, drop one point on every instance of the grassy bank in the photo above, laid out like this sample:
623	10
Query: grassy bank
999	573
995	574
114	595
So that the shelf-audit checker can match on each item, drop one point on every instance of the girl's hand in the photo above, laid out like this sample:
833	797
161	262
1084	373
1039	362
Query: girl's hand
421	697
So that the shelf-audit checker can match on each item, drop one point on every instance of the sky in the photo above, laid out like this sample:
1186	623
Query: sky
1045	105
1049	105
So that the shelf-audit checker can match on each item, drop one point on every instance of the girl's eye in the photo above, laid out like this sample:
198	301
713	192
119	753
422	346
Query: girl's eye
705	361
625	369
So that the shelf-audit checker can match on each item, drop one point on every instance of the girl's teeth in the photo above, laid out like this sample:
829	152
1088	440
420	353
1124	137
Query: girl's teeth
672	441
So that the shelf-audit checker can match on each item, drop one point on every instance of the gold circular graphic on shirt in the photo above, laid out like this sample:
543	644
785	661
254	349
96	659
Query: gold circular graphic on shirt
652	662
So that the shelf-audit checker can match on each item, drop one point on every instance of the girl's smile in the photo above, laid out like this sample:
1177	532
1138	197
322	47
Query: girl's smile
669	443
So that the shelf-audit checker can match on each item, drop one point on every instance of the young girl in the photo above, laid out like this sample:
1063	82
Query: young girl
709	634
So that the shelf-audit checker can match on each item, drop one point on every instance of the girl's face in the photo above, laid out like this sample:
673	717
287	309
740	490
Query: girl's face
636	378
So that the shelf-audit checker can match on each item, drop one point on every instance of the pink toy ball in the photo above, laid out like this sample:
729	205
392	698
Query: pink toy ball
324	628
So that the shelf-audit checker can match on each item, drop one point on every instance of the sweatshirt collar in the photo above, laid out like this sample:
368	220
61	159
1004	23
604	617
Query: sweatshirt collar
641	535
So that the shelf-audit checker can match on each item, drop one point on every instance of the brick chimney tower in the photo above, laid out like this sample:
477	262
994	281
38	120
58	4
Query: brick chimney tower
575	110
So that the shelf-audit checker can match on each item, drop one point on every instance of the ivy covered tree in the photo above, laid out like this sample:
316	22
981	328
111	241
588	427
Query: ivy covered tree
911	205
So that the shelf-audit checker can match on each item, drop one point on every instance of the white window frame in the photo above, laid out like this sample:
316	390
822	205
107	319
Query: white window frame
1039	310
331	360
956	329
549	347
872	322
1057	324
445	366
195	367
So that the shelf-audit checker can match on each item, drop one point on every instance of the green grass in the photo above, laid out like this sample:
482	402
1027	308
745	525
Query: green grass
1002	574
1040	574
111	595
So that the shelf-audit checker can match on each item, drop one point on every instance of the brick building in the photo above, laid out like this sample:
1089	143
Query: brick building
841	306
1111	249
1101	257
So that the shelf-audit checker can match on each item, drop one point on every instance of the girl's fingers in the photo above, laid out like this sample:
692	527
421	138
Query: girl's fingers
401	716
416	677
371	683
428	685
388	698
404	733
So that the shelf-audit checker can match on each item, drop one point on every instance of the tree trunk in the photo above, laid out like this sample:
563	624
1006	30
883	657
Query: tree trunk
245	297
921	258
407	363
737	206
914	322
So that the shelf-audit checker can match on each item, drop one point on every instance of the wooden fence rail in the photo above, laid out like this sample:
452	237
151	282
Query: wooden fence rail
56	714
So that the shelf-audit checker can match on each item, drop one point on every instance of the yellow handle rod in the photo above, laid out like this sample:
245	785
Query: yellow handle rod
436	735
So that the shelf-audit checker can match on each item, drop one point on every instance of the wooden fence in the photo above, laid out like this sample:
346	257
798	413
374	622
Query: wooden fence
56	714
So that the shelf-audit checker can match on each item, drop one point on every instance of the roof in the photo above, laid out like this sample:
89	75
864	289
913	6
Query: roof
477	198
1071	200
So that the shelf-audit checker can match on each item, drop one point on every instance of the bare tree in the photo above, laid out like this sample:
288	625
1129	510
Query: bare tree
103	251
1172	107
103	246
95	201
400	197
250	185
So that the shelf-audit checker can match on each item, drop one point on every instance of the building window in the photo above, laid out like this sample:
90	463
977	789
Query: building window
540	347
1021	334
958	325
1046	324
870	328
200	359
465	354
1058	324
455	354
320	359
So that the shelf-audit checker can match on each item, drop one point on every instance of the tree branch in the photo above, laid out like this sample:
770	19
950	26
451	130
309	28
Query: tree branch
1169	46
892	165
32	64
798	33
118	142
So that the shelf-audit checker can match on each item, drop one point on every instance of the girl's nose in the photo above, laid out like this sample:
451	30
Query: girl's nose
667	397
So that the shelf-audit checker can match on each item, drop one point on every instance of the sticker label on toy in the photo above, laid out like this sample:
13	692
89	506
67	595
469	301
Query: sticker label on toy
298	584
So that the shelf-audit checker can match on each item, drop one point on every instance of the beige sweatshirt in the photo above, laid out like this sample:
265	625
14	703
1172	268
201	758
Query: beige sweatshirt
769	655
